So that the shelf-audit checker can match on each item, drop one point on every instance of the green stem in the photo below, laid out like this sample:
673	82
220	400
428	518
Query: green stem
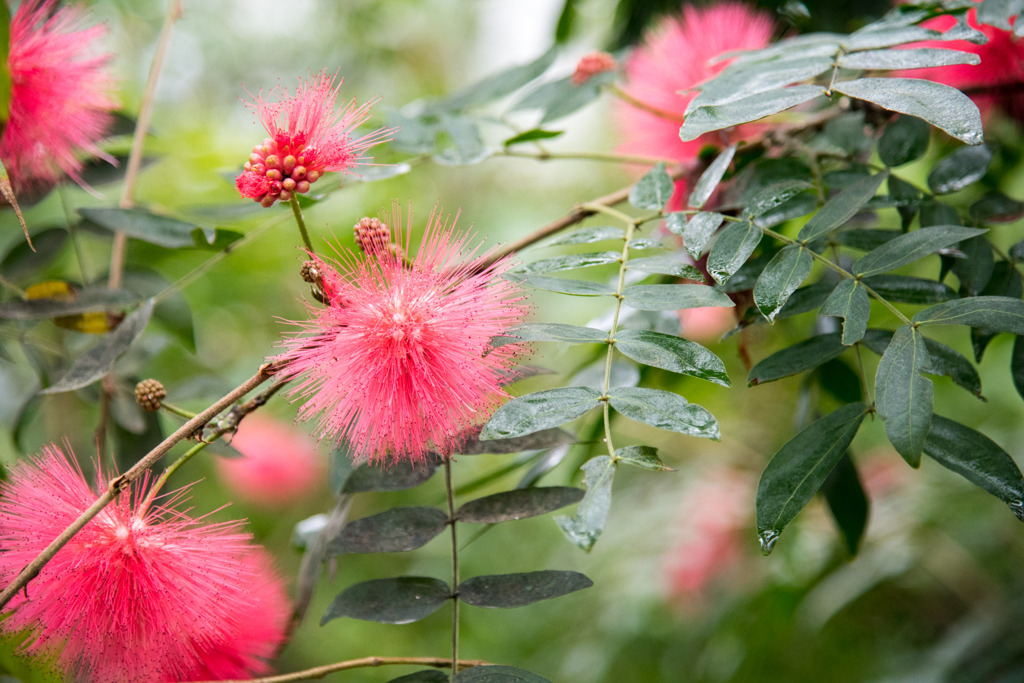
545	155
171	469
297	212
455	565
640	104
180	412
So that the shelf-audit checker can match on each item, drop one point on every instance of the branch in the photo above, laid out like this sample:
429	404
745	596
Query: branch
321	671
118	484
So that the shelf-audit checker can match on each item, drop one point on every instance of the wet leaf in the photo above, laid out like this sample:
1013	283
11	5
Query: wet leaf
912	58
903	397
540	410
963	167
402	600
672	353
560	332
740	80
750	108
838	210
599	233
942	360
800	357
998	313
904	289
673	263
518	504
644	457
567	286
591	515
849	301
653	190
664	410
396	530
734	245
910	247
570	262
673	297
784	273
711	176
518	590
697	231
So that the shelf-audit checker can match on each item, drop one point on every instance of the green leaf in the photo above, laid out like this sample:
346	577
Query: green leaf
567	286
396	530
25	261
518	504
800	357
904	289
467	143
942	360
518	590
903	397
866	239
672	263
401	600
147	226
569	262
838	210
996	207
800	467
424	676
641	243
734	245
598	233
913	58
395	477
944	107
695	232
847	502
875	36
740	79
711	176
540	410
95	363
1017	365
592	512
90	299
546	438
963	167
750	108
998	313
653	190
978	459
532	135
498	85
977	266
849	301
999	12
673	297
773	196
669	352
664	410
910	247
497	674
904	141
557	332
373	174
644	457
780	278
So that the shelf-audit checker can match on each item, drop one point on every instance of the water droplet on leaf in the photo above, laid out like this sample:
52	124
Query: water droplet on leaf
767	540
1017	506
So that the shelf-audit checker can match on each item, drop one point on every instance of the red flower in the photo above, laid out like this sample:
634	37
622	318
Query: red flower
59	104
399	363
307	138
142	593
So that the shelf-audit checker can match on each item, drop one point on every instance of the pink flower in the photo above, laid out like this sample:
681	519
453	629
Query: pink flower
399	363
142	593
592	64
676	56
59	104
707	324
307	138
281	464
1001	68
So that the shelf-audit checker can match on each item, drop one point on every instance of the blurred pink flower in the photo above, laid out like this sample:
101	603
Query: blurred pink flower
592	64
307	138
59	104
281	464
1001	68
141	593
676	56
399	363
707	324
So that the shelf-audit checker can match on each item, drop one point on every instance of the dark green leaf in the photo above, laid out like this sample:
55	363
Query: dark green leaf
913	58
568	286
532	135
1017	365
910	247
664	410
750	108
961	168
805	299
91	299
546	438
23	260
673	297
847	502
773	196
838	210
592	512
569	262
849	301
910	290
711	176
539	410
998	313
497	674
395	530
866	239
784	273
97	361
1005	282
797	358
799	205
936	213
395	477
731	250
518	504
695	232
498	85
644	457
940	105
942	360
905	196
424	676
144	225
672	263
673	353
845	133
974	270
401	600
519	590
996	207
560	332
214	239
903	397
653	190
978	459
800	467
599	233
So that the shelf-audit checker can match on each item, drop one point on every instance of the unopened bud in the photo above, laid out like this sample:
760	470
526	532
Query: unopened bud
149	394
310	272
592	64
372	236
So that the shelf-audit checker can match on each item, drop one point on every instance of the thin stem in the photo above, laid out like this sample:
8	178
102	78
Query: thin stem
297	212
545	155
365	662
175	410
640	104
22	294
72	229
455	565
171	469
118	484
623	260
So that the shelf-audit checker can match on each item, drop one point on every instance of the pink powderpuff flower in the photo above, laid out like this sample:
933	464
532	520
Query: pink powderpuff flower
59	104
399	362
1001	70
143	592
675	57
307	138
280	466
592	64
